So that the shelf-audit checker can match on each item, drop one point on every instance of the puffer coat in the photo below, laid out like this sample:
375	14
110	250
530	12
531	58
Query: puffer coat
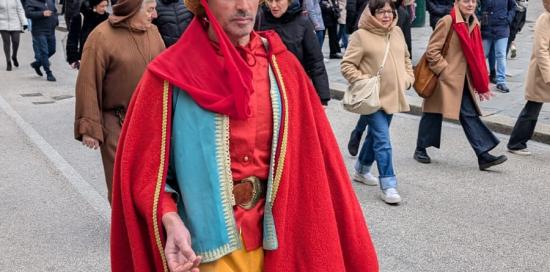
12	15
173	18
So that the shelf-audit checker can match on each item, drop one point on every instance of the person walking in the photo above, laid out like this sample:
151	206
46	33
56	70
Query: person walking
354	9
113	59
462	76
342	32
438	9
43	14
12	23
312	10
517	24
365	55
496	18
537	86
404	20
331	12
92	13
298	34
222	144
172	20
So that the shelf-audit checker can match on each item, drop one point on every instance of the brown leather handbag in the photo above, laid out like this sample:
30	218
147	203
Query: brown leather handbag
425	81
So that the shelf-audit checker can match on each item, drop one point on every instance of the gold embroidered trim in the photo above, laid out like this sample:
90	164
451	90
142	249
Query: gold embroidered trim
223	159
282	154
160	175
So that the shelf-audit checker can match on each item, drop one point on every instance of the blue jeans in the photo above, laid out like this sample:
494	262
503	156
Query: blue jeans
44	48
499	48
377	146
320	37
343	35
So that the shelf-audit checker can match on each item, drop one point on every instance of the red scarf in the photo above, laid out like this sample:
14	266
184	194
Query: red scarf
225	85
473	51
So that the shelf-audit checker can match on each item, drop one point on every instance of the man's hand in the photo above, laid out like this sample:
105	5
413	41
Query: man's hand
90	142
47	13
486	96
179	254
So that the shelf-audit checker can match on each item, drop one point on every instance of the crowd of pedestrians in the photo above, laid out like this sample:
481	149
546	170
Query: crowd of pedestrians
113	52
303	26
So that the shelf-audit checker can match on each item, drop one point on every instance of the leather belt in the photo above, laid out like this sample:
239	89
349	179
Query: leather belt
248	191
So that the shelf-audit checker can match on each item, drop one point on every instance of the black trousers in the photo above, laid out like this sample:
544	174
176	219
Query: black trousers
333	43
478	134
10	38
525	125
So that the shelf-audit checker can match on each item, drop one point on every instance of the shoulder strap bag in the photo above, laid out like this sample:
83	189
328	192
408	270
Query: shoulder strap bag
363	96
425	81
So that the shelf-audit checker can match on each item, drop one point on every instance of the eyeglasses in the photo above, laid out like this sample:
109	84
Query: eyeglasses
384	12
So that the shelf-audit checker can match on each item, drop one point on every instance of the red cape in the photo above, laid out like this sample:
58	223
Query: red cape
319	223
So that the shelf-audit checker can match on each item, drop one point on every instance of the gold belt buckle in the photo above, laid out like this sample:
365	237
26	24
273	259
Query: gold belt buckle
256	192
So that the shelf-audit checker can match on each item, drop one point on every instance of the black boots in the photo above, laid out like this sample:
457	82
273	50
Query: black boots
50	77
8	66
36	66
486	160
421	155
15	62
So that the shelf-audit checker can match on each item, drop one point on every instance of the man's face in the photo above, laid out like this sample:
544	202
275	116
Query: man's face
146	14
546	4
236	17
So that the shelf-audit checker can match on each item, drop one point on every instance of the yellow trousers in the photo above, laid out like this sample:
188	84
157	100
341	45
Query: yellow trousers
238	261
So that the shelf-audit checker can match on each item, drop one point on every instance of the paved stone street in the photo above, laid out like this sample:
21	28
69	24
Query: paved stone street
454	218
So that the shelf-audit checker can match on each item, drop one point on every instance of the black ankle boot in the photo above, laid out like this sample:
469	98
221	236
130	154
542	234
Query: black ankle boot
421	155
486	160
15	62
8	66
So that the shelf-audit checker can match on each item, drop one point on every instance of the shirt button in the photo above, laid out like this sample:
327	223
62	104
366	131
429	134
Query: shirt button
246	159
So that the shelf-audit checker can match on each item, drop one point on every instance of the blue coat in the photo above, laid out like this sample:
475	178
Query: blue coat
496	17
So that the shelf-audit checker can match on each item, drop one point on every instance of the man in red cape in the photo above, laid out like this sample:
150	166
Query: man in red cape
269	192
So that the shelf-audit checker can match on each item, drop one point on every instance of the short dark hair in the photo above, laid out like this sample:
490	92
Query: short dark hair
378	4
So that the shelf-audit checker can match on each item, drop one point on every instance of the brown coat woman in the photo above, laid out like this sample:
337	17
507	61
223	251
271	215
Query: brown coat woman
456	95
537	86
113	60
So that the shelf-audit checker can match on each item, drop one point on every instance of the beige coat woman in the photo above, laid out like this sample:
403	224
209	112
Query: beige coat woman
364	56
537	82
452	69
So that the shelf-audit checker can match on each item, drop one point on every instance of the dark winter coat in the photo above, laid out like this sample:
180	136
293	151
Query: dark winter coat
79	31
298	35
438	9
354	9
330	11
173	18
496	17
42	25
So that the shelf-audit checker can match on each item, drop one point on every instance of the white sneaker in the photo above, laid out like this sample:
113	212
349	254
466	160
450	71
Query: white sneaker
522	152
367	179
390	196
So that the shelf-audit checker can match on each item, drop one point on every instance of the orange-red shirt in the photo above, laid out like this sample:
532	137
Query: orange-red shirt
250	143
